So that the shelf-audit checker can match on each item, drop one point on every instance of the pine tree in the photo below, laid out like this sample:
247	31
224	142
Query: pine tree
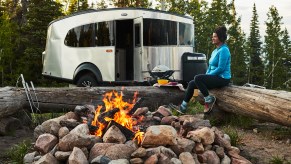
274	50
197	9
128	3
286	42
10	23
101	4
217	15
73	7
255	65
7	44
178	6
40	14
236	43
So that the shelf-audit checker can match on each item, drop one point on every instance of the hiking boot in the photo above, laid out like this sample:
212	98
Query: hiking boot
180	109
209	103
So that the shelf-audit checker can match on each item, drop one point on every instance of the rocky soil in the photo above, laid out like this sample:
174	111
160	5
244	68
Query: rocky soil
260	144
266	142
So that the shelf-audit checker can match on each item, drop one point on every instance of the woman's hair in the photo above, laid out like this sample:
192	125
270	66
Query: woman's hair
221	33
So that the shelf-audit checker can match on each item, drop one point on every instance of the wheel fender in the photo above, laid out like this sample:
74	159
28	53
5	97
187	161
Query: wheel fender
88	67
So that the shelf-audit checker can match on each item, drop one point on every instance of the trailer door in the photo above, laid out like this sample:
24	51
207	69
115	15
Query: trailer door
138	48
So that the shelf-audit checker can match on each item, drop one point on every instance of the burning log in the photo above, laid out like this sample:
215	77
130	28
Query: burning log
127	133
136	106
109	114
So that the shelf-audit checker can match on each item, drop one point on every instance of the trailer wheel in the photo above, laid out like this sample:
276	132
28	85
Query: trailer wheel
87	80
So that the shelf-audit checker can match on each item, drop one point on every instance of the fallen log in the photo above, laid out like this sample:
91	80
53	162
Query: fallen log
56	100
261	104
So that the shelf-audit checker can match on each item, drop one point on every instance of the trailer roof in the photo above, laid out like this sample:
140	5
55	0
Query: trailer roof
110	9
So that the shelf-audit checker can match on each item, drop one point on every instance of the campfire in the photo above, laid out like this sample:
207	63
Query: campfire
115	111
124	132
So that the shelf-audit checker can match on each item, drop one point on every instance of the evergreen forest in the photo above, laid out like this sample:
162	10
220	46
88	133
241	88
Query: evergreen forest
261	60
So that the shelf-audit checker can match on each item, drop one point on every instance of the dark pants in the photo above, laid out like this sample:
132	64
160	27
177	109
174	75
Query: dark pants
203	83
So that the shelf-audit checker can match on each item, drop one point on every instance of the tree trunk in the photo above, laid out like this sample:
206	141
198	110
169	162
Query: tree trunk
262	104
66	99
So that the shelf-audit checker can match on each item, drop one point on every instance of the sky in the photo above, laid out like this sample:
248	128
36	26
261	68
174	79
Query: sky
244	8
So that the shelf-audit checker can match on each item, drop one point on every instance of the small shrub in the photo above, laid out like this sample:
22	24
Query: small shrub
238	121
17	152
276	160
282	132
235	137
194	108
38	119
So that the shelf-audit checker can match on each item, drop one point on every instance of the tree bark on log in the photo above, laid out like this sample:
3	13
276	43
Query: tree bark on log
66	99
261	104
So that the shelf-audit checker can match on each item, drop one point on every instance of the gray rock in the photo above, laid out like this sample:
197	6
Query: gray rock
77	156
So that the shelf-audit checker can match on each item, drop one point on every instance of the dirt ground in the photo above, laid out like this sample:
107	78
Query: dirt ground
266	142
8	141
259	144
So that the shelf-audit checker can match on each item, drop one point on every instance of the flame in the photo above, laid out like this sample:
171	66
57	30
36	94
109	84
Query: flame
139	136
113	100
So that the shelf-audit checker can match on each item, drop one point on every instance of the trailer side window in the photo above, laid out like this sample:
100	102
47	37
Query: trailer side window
186	34
104	34
91	35
158	32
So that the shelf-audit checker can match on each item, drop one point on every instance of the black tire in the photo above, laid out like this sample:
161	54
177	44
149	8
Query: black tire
87	80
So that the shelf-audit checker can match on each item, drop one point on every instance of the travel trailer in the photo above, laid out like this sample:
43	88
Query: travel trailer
117	45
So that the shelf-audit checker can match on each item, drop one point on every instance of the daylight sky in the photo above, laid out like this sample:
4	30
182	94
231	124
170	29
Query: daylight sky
244	8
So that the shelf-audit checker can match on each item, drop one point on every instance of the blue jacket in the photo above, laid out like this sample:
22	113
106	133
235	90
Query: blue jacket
219	62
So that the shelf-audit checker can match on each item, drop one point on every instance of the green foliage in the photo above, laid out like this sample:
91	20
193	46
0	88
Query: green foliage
255	65
240	121
276	160
202	39
281	132
128	3
17	152
286	42
38	119
8	33
235	137
40	13
24	27
232	120
275	51
236	43
193	108
217	15
77	5
101	4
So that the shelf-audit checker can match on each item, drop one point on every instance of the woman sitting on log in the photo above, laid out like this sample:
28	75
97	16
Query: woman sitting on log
218	73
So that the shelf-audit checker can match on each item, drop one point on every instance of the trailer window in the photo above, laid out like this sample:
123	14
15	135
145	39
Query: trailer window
91	35
186	34
159	32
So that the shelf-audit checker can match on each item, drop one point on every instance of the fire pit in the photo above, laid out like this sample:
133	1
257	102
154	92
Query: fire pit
124	132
